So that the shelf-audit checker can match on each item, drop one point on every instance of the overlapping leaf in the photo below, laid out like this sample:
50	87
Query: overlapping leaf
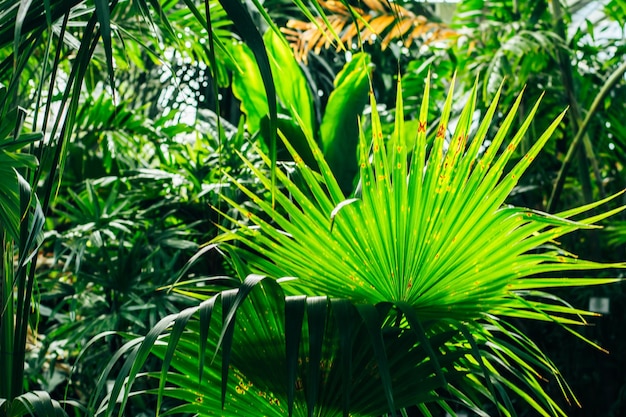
253	350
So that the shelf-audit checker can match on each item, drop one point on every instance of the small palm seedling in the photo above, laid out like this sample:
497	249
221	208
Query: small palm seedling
401	296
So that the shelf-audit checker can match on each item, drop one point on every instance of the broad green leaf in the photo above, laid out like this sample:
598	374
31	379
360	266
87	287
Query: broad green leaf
339	130
248	86
292	88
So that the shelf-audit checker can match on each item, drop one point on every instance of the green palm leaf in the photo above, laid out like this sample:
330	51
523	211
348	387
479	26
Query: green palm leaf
400	297
336	360
430	229
332	358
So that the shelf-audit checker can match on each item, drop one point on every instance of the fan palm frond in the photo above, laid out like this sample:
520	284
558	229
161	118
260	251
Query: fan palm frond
402	296
430	229
255	351
353	25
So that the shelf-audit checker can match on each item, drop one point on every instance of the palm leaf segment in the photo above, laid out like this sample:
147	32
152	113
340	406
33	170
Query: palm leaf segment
397	298
295	356
353	26
255	351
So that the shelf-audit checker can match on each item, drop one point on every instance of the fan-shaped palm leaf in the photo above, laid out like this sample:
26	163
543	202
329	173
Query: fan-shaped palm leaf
254	351
430	228
397	298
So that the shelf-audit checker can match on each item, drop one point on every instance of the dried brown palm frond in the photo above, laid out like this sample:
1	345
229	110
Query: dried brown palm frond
380	19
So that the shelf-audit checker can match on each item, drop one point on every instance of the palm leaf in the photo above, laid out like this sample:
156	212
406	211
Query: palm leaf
466	249
399	298
342	363
34	403
431	229
258	381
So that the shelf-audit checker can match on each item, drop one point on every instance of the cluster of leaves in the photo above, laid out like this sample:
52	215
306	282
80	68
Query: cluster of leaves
134	206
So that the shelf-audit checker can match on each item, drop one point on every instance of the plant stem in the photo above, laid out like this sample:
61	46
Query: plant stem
7	324
613	79
576	114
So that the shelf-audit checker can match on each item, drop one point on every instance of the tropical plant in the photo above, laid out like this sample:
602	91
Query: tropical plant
46	55
584	161
405	295
355	26
120	234
171	55
29	110
337	128
21	223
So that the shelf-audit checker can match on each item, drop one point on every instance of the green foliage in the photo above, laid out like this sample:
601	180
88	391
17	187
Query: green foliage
12	162
293	93
21	219
34	403
128	114
293	354
434	312
338	130
118	239
459	195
